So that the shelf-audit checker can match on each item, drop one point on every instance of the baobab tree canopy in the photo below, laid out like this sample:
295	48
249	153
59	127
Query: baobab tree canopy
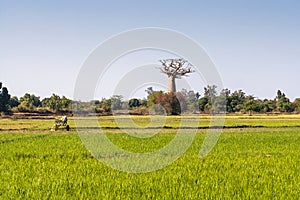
175	68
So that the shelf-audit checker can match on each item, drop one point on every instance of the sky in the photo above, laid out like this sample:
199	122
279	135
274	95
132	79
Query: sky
253	44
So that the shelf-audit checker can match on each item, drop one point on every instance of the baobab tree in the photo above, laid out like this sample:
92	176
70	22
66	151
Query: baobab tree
175	68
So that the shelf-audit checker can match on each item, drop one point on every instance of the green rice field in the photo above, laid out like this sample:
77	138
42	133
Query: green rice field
256	157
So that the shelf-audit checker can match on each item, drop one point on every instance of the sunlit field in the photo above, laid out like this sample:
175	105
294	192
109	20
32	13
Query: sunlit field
256	157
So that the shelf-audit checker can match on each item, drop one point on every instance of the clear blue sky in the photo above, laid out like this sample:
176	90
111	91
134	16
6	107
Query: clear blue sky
254	44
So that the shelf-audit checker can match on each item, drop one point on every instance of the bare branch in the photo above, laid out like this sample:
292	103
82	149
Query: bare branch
176	67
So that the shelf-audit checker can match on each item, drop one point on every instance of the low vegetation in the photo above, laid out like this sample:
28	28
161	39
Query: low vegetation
158	102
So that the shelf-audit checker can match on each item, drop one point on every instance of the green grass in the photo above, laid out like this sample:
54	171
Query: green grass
246	163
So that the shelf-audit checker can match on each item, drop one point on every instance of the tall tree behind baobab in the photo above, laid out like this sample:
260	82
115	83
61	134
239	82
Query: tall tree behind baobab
175	68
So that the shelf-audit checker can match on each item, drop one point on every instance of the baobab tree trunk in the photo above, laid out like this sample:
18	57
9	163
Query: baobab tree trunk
171	85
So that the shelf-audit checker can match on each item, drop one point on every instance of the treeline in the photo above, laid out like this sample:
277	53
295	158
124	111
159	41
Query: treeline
157	102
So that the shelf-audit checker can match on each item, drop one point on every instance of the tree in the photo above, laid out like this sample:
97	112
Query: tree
29	102
219	104
202	103
283	103
152	98
116	102
14	102
4	99
143	102
251	105
210	91
296	104
191	99
54	103
175	68
279	95
149	90
105	105
268	105
172	103
66	104
179	100
206	103
225	93
133	103
236	101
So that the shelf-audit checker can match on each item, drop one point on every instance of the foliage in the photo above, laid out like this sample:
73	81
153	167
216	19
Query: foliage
141	110
235	101
29	102
133	103
105	106
149	90
116	102
172	103
57	103
191	99
296	104
251	105
283	103
211	102
4	99
14	102
210	91
268	105
152	98
238	101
